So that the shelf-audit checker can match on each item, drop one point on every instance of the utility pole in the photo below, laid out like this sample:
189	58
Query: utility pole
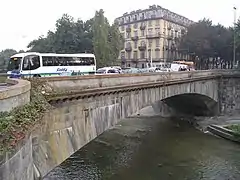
151	57
234	37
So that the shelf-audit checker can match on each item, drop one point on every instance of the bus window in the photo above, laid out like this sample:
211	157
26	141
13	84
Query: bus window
14	63
48	61
31	62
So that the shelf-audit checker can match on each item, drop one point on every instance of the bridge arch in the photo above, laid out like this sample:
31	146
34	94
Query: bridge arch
187	104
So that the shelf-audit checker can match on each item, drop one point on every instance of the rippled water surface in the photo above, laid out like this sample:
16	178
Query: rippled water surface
153	148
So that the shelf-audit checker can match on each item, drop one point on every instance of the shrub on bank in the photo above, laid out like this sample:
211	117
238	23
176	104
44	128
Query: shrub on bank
235	128
16	124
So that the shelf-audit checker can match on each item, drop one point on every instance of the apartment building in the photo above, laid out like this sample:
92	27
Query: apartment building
151	35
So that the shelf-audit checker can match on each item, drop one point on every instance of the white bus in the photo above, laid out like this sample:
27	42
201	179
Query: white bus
33	64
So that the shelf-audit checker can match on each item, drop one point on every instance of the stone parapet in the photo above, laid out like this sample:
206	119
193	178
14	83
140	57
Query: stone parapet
17	93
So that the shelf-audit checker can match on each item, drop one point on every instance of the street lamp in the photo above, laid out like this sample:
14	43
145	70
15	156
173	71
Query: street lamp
234	36
151	59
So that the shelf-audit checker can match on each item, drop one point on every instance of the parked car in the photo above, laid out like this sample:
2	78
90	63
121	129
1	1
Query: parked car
107	70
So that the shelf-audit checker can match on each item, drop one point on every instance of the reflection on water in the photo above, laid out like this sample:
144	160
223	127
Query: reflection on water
149	148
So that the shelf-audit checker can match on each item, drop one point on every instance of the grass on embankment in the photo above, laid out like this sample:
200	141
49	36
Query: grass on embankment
16	124
235	128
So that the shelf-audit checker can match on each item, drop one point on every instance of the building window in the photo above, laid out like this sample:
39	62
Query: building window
135	25
135	17
149	54
122	55
157	53
128	35
135	44
157	22
142	54
129	55
150	31
142	65
157	30
150	43
157	42
143	33
142	43
135	55
135	33
128	44
176	34
150	23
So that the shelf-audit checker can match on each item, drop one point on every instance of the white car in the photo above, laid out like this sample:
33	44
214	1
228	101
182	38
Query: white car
107	70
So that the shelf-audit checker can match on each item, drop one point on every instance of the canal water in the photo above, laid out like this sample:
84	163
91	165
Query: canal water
152	148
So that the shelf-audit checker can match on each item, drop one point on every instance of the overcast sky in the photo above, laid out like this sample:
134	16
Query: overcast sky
24	20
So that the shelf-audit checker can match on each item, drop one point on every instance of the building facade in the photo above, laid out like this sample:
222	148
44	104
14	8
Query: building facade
151	35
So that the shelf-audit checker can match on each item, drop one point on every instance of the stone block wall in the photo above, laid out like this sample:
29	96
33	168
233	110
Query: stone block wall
20	165
229	95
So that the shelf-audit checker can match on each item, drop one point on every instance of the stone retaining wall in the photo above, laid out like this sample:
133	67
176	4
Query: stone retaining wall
20	165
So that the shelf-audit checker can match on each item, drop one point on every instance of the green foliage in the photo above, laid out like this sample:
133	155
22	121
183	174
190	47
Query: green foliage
16	124
235	128
100	38
115	41
206	40
238	36
95	35
4	58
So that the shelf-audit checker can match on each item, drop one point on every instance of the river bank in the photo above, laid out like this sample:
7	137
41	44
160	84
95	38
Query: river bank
151	147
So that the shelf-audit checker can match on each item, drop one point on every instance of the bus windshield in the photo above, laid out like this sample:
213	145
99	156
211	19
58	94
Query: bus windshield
14	63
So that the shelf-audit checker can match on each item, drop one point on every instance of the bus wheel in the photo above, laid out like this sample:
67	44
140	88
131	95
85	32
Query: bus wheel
36	75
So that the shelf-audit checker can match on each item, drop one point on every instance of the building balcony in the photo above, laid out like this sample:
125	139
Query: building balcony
142	47
134	60
143	26
128	29
152	36
128	49
135	38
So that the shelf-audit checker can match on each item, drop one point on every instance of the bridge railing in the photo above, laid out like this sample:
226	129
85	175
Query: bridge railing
80	83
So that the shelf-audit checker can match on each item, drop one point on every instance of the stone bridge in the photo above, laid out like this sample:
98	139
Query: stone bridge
87	106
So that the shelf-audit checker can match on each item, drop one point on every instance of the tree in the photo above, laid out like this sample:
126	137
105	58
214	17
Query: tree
116	42
40	45
237	31
4	58
68	38
93	36
209	42
100	38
